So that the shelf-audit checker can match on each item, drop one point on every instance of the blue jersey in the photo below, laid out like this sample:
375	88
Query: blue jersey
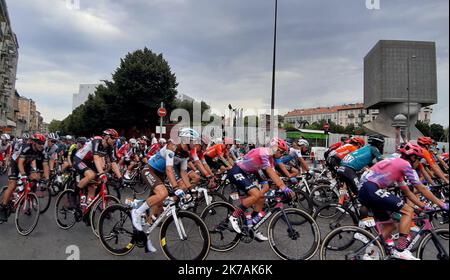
361	158
164	158
293	155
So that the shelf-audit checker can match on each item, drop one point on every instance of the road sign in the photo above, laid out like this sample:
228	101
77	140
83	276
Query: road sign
326	126
158	130
162	112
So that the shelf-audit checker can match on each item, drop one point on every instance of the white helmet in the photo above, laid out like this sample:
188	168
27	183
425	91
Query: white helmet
52	136
303	142
6	137
162	141
69	137
133	142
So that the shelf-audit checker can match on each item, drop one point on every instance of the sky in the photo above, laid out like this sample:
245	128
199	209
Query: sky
221	50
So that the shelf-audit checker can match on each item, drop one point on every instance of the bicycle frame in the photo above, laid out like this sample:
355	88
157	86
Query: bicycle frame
24	193
171	210
101	195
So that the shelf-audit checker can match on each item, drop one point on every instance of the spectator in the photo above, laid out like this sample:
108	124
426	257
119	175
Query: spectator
153	139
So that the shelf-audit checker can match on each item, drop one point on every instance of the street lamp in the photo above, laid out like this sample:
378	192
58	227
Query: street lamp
274	65
409	95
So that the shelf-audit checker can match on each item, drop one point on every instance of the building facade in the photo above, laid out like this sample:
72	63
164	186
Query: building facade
344	115
8	70
83	94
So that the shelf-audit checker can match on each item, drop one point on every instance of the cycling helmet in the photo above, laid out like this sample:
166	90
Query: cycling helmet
111	132
38	138
82	140
279	143
358	140
445	156
303	142
238	141
376	140
133	142
26	136
53	136
144	138
412	149
162	141
69	137
423	141
5	137
189	133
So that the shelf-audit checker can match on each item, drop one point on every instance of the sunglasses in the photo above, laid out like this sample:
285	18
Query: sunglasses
39	143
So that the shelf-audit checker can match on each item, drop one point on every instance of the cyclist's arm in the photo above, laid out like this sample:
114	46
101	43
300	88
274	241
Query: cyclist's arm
192	166
303	164
425	174
284	170
429	195
275	178
438	172
99	163
414	199
21	165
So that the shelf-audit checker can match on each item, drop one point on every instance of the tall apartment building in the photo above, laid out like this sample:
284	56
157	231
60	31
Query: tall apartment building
83	94
8	70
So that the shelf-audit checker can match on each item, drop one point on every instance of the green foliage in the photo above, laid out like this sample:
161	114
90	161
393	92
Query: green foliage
54	126
129	102
424	128
189	106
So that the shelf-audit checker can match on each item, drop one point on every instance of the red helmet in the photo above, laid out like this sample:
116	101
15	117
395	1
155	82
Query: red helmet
358	140
111	132
445	156
412	149
37	137
280	144
423	141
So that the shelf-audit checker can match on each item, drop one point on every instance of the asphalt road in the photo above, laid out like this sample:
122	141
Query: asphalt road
49	242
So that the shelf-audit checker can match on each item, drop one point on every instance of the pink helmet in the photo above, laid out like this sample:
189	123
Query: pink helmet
412	149
279	143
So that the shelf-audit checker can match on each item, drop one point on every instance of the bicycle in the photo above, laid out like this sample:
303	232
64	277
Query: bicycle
289	224
115	225
363	245
25	205
69	211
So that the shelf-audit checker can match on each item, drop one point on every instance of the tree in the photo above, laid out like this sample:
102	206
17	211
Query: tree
437	132
424	128
129	102
189	106
54	126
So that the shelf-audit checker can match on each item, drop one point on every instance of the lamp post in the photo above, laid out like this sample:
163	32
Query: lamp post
274	66
409	95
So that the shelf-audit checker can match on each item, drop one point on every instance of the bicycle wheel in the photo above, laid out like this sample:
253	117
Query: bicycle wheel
434	247
139	186
66	210
98	208
44	195
115	229
223	237
196	242
200	204
294	235
113	189
364	246
333	216
323	195
27	214
302	201
226	191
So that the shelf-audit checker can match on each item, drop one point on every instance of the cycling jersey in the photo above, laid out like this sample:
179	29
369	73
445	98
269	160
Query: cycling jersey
427	157
197	154
152	150
389	171
50	153
361	158
292	156
344	150
332	148
94	147
72	151
257	159
165	157
216	151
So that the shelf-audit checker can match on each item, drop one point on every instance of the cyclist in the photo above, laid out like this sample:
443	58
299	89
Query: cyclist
217	156
259	162
373	194
295	155
5	153
344	140
425	143
50	153
22	166
89	161
356	161
335	157
153	149
128	156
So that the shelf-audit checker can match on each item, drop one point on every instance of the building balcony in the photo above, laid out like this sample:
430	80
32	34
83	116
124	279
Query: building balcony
351	116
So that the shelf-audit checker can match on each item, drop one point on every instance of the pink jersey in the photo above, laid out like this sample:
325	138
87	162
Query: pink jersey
255	160
392	170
